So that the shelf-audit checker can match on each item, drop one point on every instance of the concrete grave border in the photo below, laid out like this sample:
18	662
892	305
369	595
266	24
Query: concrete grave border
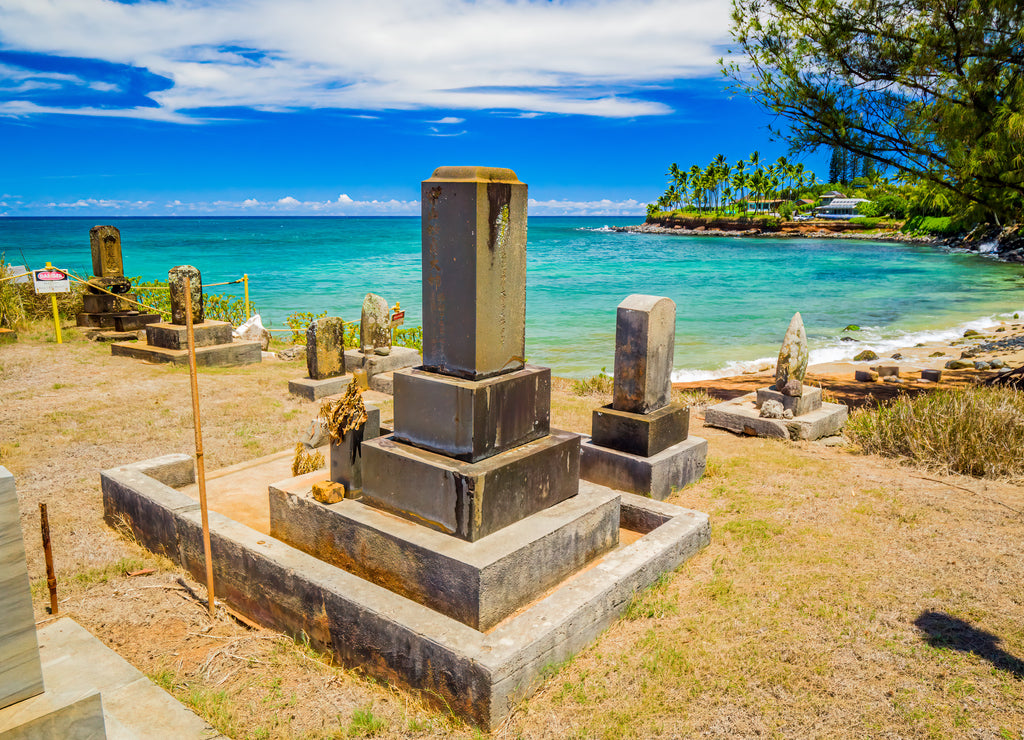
478	676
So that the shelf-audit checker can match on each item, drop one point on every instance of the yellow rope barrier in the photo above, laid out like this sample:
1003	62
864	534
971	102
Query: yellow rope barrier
104	290
13	277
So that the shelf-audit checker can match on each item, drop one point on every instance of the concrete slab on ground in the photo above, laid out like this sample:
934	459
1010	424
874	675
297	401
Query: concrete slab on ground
236	353
477	675
80	671
742	416
313	390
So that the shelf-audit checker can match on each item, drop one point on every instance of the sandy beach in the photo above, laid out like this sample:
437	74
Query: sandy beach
1003	341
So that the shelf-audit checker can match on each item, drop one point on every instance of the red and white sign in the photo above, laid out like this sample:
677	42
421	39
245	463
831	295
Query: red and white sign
51	281
398	318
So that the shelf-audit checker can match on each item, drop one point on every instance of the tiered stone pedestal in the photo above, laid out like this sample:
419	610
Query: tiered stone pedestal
812	418
169	343
646	454
102	311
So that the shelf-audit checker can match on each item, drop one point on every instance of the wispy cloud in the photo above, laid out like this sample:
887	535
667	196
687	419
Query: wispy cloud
342	205
587	57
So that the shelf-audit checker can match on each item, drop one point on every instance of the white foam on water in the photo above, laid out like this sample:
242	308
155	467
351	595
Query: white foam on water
835	350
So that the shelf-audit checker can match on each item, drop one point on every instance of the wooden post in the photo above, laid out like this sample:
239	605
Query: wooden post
200	466
51	577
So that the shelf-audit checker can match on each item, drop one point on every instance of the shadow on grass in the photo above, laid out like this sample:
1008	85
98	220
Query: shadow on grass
944	631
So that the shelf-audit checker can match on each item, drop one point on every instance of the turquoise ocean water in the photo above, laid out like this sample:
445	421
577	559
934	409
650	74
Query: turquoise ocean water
734	296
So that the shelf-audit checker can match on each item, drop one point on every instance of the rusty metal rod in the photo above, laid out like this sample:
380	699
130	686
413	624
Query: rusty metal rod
200	466
51	577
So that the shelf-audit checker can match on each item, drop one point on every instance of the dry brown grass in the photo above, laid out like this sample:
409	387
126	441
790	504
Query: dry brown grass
841	596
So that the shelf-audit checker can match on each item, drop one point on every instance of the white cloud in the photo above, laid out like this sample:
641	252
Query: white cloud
586	57
603	207
343	205
449	119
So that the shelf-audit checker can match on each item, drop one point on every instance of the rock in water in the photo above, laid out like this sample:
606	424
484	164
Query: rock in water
793	355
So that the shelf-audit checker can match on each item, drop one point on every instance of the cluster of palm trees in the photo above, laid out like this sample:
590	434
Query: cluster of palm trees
721	187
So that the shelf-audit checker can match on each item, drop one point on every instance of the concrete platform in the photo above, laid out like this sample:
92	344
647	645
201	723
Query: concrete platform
800	405
236	353
476	675
742	416
656	476
90	688
314	390
383	383
478	583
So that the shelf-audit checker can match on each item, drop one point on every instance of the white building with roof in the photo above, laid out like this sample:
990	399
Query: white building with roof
839	208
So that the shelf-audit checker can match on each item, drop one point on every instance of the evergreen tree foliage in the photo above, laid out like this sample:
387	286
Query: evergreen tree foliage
931	88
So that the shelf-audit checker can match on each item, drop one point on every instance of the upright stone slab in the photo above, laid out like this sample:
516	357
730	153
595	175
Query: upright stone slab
645	333
793	358
325	348
375	326
176	280
474	271
21	675
105	243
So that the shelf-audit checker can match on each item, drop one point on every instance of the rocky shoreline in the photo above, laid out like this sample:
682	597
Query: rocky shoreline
1005	244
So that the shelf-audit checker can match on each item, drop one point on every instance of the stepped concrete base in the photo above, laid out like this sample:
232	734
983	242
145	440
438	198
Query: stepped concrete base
470	500
741	415
91	692
236	353
99	320
656	476
478	583
314	390
400	357
799	405
383	383
478	676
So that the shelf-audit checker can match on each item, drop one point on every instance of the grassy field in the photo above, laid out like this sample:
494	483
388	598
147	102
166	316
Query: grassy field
843	595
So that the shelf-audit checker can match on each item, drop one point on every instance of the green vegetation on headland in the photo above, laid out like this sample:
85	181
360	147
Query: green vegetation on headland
932	90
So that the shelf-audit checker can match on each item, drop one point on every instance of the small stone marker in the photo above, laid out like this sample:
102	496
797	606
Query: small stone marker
793	357
885	371
375	326
325	348
931	375
865	376
176	280
644	347
474	272
105	243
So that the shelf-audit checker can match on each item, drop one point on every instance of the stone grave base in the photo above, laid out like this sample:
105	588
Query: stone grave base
657	476
91	692
235	353
742	415
479	676
135	321
314	390
383	383
99	335
480	583
399	358
110	320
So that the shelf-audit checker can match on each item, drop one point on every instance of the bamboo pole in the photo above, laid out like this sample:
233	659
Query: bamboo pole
200	465
51	577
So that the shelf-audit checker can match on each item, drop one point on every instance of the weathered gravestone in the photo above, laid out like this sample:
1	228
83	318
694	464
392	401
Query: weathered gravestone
176	277
641	443
788	409
376	356
213	340
325	360
100	309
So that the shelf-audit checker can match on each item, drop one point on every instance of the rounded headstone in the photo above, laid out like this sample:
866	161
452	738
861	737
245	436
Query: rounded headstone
793	356
176	281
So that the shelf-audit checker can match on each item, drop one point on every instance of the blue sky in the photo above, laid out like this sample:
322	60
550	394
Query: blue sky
331	107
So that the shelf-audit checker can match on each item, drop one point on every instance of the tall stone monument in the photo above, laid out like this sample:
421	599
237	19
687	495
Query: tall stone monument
100	308
167	341
472	450
640	443
788	409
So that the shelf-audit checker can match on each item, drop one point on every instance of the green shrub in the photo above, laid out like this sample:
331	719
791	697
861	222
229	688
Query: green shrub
931	225
972	431
410	337
153	294
600	383
870	223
